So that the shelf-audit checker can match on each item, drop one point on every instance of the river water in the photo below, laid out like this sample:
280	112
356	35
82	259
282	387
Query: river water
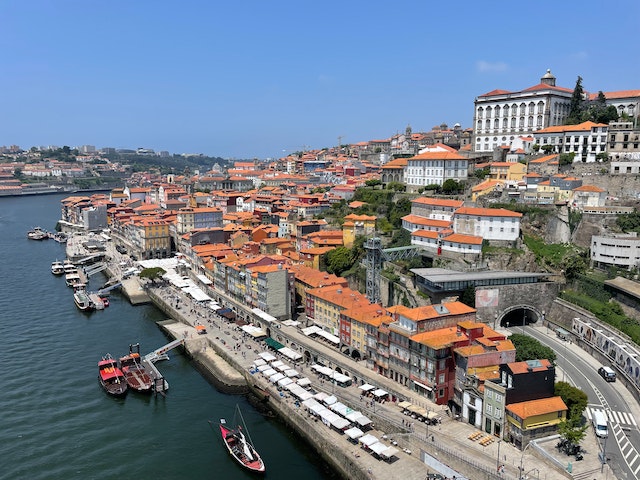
55	420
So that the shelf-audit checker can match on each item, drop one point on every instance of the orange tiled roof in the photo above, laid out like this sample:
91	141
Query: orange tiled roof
487	212
534	408
438	202
581	127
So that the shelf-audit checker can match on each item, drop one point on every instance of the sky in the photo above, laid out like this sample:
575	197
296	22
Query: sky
256	79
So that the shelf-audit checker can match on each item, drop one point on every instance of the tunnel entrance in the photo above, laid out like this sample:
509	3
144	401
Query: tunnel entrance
519	317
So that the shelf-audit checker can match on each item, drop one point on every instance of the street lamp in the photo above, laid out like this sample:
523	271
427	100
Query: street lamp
498	457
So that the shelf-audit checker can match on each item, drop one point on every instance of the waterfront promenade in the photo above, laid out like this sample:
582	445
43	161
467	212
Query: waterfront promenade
445	448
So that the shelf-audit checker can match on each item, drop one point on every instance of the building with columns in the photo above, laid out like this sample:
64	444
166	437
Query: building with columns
501	116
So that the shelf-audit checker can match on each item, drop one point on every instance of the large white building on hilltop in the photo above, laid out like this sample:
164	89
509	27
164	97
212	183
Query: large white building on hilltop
500	116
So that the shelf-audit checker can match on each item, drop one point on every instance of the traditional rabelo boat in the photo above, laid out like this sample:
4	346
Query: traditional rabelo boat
111	377
239	444
135	374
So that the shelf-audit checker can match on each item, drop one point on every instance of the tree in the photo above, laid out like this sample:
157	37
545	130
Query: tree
450	186
152	273
468	296
572	431
339	260
374	182
576	106
566	158
574	398
528	348
400	238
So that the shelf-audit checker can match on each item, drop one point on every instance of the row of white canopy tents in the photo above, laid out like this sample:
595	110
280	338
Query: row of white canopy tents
374	445
378	393
338	378
331	416
283	375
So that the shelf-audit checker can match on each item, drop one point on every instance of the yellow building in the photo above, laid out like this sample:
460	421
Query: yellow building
527	421
355	225
150	237
485	188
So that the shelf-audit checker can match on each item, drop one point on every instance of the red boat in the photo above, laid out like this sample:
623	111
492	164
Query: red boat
135	374
111	377
240	446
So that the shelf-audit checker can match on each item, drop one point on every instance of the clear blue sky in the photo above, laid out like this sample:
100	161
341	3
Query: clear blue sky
259	79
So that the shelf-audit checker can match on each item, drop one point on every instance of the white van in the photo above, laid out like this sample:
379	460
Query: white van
599	421
607	373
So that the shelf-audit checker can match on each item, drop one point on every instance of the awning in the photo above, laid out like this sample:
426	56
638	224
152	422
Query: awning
366	387
368	439
422	385
266	356
389	452
276	378
273	343
285	381
378	448
303	382
354	433
404	404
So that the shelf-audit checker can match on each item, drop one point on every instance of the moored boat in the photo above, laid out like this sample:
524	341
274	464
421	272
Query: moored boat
82	299
135	374
111	377
239	445
57	268
37	233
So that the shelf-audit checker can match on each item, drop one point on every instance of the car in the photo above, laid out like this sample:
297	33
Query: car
607	373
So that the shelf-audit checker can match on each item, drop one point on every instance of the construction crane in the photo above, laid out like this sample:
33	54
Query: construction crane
373	261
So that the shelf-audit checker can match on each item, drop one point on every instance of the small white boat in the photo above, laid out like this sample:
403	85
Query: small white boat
57	268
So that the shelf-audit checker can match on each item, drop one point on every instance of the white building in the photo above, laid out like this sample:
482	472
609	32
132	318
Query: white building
621	250
586	140
434	168
488	223
501	116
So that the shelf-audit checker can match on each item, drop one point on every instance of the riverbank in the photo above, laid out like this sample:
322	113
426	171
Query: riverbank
224	349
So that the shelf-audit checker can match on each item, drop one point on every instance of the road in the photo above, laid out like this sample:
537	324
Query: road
580	370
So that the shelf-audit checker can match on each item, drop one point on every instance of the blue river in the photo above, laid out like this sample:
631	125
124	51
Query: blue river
55	420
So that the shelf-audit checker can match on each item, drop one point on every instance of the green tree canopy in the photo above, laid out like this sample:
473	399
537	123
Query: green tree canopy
576	106
339	260
572	430
574	398
528	348
152	273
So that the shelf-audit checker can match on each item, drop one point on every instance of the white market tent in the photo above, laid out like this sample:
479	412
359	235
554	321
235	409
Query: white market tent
263	315
321	333
290	354
389	452
340	408
363	420
266	356
291	373
330	400
204	279
277	364
262	368
340	423
284	382
269	372
255	332
368	439
259	362
299	392
320	396
309	402
353	433
366	387
303	382
380	393
276	378
378	448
